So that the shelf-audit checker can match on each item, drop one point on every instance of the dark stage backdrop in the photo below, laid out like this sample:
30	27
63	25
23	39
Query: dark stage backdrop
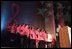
25	15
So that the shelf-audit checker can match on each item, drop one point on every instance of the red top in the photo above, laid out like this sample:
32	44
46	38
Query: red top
18	29
32	34
42	35
13	29
22	30
26	31
37	36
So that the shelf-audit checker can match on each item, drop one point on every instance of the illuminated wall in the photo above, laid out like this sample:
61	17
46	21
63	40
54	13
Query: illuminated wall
49	19
4	14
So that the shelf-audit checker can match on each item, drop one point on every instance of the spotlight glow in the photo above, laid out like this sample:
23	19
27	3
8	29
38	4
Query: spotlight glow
3	22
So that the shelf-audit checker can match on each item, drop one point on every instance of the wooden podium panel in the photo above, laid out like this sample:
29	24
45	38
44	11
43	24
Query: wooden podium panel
64	37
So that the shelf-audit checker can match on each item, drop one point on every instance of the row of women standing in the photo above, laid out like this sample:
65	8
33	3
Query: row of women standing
31	37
